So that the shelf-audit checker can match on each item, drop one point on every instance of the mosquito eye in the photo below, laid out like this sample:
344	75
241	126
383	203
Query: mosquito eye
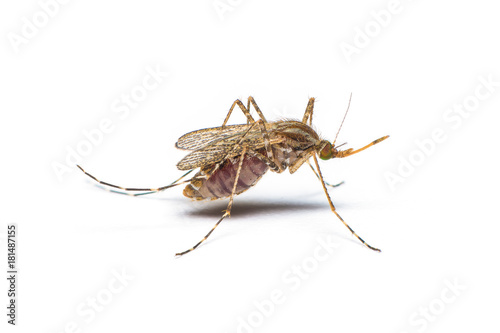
326	152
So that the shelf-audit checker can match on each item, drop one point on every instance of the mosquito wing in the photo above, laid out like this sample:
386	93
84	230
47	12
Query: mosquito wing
201	138
202	157
224	146
215	151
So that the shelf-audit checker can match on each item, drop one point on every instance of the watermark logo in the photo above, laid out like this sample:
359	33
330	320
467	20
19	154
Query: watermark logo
222	7
363	37
89	309
31	27
453	117
292	278
429	313
122	107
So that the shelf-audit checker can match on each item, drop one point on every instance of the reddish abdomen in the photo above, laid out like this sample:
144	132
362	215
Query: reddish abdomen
220	183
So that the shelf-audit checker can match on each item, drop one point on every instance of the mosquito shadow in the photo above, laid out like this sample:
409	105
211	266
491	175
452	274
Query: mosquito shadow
254	208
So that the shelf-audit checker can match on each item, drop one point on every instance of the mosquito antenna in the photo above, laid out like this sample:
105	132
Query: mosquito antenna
340	145
342	123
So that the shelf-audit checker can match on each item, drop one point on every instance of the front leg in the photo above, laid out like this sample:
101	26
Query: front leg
273	165
301	159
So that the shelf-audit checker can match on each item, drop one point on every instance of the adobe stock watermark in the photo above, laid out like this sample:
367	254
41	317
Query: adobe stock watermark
292	278
280	113
425	315
90	308
379	20
453	117
31	26
222	7
121	107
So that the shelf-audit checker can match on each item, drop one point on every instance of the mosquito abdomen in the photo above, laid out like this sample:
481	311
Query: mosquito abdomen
208	184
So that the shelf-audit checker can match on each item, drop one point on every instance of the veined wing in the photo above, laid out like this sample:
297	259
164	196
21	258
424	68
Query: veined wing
224	146
200	138
202	157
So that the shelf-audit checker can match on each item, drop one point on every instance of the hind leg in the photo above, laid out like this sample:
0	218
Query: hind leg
227	212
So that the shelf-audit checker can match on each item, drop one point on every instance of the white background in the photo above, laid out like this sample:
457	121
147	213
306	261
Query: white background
437	225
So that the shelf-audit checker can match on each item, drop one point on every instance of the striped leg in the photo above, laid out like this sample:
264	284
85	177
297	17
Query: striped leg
261	115
273	165
227	212
332	207
326	183
308	115
269	150
246	111
145	190
267	142
262	124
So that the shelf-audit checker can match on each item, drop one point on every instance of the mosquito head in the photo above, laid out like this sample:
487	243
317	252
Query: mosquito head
326	150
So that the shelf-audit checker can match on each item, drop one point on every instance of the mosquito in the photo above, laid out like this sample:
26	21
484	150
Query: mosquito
232	158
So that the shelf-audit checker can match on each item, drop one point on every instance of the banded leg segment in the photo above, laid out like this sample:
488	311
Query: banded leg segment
269	150
332	207
261	123
273	165
309	112
146	190
246	111
267	142
257	109
227	212
326	183
237	177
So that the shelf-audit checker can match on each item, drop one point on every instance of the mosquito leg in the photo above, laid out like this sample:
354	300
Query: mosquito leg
326	183
261	123
301	159
332	207
239	144
274	165
232	151
227	212
267	142
175	183
270	156
245	111
269	150
257	109
147	190
309	111
248	108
